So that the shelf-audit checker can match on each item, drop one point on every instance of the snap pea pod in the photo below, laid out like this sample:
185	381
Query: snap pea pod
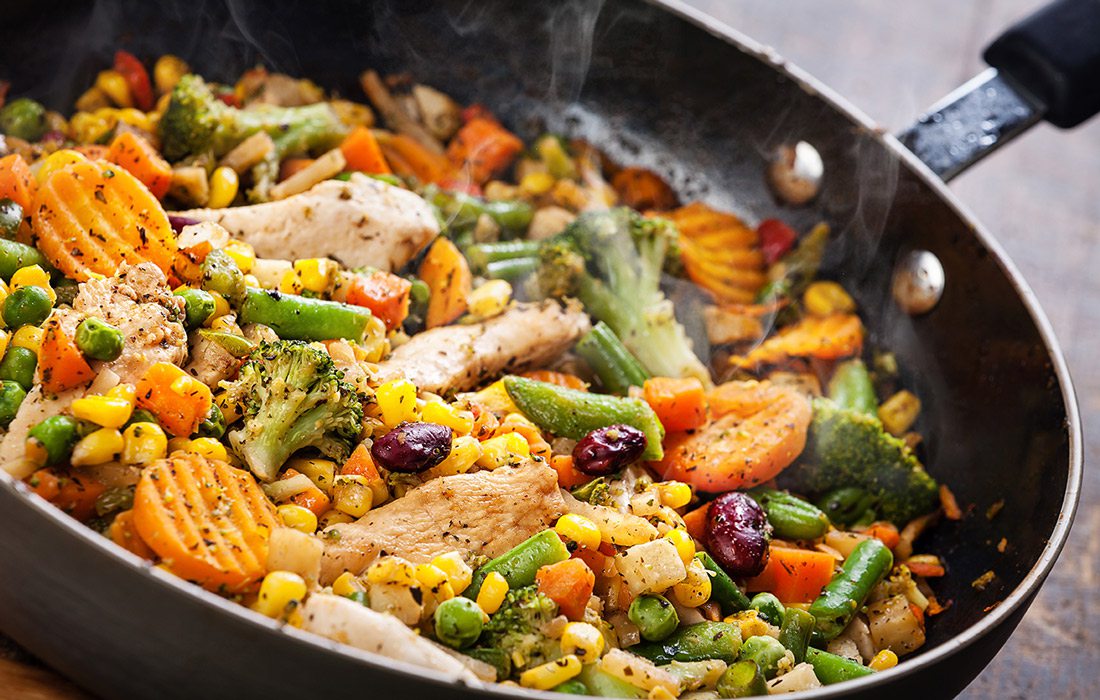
798	626
616	367
722	588
604	685
236	345
766	651
791	517
573	414
511	270
298	318
481	254
15	255
768	607
11	216
742	680
519	565
851	387
830	668
844	595
18	366
461	211
698	642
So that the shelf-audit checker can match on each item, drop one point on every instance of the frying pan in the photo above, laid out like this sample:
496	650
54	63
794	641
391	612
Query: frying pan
657	84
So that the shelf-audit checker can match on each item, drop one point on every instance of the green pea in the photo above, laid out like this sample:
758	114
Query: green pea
766	651
654	616
18	366
27	306
57	435
768	607
11	215
23	118
220	274
571	687
99	340
199	306
66	291
11	397
458	622
141	415
213	425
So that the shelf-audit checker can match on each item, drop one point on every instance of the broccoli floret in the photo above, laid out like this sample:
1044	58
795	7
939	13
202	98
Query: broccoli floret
196	121
597	492
612	262
519	627
292	397
848	448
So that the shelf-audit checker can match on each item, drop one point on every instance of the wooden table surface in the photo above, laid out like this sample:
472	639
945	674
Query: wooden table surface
1041	197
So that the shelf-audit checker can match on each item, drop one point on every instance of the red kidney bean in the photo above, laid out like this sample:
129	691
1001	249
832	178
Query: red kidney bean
178	222
737	534
607	450
411	448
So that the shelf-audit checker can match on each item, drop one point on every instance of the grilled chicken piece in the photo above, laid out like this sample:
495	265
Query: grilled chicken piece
457	358
486	513
36	407
209	362
361	222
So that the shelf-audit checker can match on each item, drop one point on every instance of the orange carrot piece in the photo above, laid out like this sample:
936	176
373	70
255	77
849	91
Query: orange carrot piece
926	570
312	499
362	152
410	159
568	583
61	365
696	522
885	532
642	189
483	148
16	181
360	463
538	444
950	506
74	494
122	533
565	379
179	401
595	559
485	422
680	404
821	337
384	293
143	161
447	275
794	575
207	521
720	253
568	475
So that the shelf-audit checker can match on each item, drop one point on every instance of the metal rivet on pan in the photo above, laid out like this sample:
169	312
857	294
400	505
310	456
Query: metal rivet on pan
795	173
918	282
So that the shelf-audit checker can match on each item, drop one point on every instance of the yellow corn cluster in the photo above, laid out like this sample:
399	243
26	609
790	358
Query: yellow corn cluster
280	594
489	300
299	518
694	590
316	274
579	529
351	494
492	592
144	443
582	640
396	402
503	450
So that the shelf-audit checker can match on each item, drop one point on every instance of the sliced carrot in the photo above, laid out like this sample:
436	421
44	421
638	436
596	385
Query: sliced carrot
92	216
483	148
207	521
887	533
641	189
73	493
362	152
794	575
384	293
569	381
925	569
16	181
595	559
680	404
568	583
742	398
360	463
143	161
821	337
313	498
123	533
447	275
179	401
410	159
696	522
485	421
950	506
568	475
61	365
720	253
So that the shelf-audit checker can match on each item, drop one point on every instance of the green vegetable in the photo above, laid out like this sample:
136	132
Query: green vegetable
604	685
11	216
18	366
24	119
511	270
552	151
220	274
497	658
27	306
114	499
292	397
519	629
830	668
797	268
847	448
768	607
613	262
480	255
99	340
236	345
460	211
573	414
571	687
698	642
842	597
519	564
15	255
360	597
458	622
198	304
213	425
597	492
766	651
851	388
57	435
654	617
11	397
848	506
791	517
722	588
141	415
798	626
617	369
298	318
742	680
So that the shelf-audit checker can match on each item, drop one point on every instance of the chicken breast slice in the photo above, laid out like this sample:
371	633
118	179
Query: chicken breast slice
361	222
457	358
485	512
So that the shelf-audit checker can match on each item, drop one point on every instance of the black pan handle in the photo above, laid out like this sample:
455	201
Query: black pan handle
1046	66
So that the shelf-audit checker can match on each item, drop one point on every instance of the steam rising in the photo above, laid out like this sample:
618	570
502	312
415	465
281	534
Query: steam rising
572	26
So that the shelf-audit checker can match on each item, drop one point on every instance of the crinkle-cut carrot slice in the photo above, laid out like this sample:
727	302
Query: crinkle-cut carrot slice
822	337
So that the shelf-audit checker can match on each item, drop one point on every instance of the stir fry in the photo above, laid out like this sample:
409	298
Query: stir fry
507	410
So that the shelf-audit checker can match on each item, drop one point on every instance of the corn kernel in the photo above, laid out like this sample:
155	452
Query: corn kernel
317	274
252	281
32	276
884	660
660	693
459	573
537	183
221	307
167	71
290	283
208	447
322	472
579	529
685	545
434	579
280	594
183	385
502	450
352	495
29	337
492	592
465	452
391	570
551	673
226	323
297	517
115	87
489	300
242	253
223	187
98	447
582	640
144	443
89	128
397	401
123	392
135	118
229	408
824	298
103	410
695	589
750	623
462	422
347	584
674	494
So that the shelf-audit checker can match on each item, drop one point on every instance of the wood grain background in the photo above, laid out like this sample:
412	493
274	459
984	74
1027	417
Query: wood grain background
1041	197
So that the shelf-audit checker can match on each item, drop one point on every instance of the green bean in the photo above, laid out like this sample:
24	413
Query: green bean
11	398
23	118
791	517
11	216
511	270
742	680
698	642
654	617
236	345
842	597
198	304
722	588
798	626
519	565
768	607
458	622
481	254
616	367
15	255
851	387
18	366
56	435
298	318
830	668
99	340
497	658
573	414
220	274
571	687
27	306
766	651
461	211
848	505
604	685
